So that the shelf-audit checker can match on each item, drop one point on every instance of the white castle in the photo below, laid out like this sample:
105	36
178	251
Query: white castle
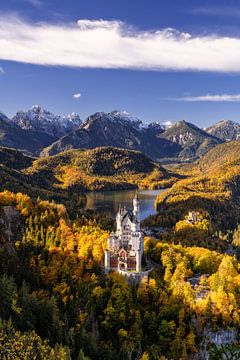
125	246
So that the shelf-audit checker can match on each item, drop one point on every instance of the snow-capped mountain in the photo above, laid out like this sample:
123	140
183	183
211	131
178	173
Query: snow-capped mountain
118	117
116	128
167	125
40	120
126	117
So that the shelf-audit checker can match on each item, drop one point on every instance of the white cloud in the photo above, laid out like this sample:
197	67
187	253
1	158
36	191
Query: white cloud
213	98
77	95
1	70
113	44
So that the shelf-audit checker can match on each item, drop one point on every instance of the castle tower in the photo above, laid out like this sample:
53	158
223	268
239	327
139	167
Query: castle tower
138	261
107	261
136	208
118	220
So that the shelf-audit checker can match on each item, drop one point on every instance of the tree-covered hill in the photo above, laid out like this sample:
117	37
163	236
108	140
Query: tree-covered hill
104	168
67	176
213	185
14	159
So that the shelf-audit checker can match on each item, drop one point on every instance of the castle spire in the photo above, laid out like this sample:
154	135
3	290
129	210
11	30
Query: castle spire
136	197
136	207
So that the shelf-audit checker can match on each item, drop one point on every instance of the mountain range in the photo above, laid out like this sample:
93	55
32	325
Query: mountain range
40	132
33	130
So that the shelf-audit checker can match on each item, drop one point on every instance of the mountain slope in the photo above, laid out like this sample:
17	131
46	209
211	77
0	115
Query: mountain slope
103	168
115	129
64	177
28	141
194	142
14	159
213	186
35	129
226	130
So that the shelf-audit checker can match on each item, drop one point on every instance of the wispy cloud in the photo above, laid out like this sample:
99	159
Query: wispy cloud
77	95
224	11
35	3
115	45
212	98
1	70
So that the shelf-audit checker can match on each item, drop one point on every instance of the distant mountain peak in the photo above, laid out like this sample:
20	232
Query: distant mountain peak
41	120
35	107
226	130
115	116
4	117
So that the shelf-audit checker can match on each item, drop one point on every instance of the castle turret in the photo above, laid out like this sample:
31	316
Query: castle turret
118	220
136	207
107	261
138	261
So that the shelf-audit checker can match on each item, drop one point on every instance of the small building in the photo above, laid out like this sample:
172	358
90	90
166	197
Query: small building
193	217
126	246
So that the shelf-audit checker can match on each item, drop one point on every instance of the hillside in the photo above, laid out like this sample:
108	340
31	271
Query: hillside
53	290
66	176
193	142
104	168
213	186
14	159
226	130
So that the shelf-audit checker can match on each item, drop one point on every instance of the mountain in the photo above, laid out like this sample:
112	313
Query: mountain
115	129
155	129
33	130
40	120
193	141
40	131
226	130
28	141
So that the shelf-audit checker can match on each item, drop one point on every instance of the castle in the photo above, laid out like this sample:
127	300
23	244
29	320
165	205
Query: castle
125	246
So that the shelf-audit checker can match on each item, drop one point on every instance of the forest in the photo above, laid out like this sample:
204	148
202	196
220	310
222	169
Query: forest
57	303
210	186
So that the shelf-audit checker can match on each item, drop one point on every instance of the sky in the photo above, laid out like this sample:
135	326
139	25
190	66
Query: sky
160	60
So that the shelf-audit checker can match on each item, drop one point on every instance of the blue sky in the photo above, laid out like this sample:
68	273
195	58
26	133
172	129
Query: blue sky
126	61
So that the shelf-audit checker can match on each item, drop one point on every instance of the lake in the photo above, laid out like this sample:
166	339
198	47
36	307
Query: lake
109	201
